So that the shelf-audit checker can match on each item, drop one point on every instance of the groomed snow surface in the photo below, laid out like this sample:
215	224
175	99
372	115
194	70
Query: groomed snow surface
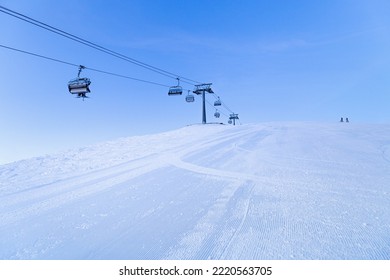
262	191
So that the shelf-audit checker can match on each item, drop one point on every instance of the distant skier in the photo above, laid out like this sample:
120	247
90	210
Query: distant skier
342	120
346	120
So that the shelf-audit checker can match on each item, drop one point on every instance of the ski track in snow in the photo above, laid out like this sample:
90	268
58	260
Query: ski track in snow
65	192
271	191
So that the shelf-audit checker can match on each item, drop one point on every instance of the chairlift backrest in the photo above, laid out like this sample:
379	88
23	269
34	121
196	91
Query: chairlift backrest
217	103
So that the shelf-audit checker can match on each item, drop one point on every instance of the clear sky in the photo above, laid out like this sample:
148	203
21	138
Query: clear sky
268	60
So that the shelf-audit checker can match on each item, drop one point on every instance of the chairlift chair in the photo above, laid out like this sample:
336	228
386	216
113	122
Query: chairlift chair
190	98
176	90
217	102
79	86
217	114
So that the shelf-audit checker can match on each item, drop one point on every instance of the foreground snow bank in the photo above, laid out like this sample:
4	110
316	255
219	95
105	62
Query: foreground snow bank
264	191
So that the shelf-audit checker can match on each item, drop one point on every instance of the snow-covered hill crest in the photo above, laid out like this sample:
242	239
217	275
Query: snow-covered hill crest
261	191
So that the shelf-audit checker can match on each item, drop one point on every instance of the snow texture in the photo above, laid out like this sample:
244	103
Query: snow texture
261	191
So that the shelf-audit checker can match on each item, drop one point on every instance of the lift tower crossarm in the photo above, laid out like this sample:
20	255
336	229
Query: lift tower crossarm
203	87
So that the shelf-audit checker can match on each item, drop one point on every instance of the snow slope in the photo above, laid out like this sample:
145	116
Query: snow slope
263	191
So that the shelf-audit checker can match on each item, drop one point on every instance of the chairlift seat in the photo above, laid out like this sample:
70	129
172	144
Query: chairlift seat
217	114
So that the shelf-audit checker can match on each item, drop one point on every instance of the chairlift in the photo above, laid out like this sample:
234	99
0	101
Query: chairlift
79	86
217	102
190	97
217	114
176	90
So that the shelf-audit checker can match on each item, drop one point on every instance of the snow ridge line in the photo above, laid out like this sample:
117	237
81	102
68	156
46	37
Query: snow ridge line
236	176
175	158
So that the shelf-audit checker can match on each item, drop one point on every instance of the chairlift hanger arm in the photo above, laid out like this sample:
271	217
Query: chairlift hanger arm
81	67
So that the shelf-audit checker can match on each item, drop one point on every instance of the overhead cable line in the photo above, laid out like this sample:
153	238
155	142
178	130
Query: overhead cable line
95	46
126	77
77	65
38	55
226	107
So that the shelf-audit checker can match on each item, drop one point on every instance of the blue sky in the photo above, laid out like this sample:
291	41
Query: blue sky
267	60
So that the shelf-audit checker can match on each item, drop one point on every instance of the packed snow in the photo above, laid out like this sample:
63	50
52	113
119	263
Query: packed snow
260	191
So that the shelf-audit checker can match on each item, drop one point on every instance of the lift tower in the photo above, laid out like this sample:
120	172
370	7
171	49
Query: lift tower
233	117
202	89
